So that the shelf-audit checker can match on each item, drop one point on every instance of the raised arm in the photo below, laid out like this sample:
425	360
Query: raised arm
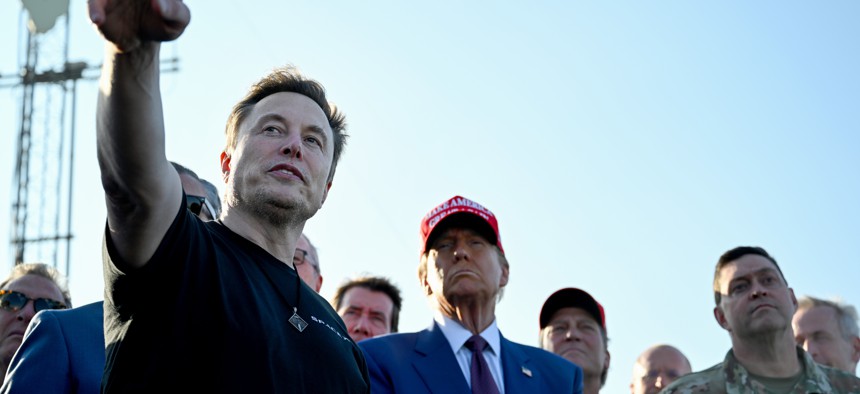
142	190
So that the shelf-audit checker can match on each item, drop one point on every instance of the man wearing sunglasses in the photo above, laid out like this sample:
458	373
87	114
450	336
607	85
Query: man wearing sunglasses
30	288
64	350
201	197
213	306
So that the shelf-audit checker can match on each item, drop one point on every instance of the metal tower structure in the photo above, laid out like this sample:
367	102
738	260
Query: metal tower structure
44	167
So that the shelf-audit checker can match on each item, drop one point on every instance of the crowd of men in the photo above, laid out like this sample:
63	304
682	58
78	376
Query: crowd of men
205	295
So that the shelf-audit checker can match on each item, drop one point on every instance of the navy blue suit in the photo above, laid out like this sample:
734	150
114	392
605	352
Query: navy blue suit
62	352
422	362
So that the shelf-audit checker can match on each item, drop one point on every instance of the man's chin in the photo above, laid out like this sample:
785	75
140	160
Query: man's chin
280	210
575	357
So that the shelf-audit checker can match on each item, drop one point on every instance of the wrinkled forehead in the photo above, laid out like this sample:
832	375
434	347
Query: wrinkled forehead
35	286
290	107
747	266
363	297
665	359
815	317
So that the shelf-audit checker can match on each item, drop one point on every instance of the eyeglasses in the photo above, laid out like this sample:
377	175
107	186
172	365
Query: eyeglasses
195	204
301	257
14	301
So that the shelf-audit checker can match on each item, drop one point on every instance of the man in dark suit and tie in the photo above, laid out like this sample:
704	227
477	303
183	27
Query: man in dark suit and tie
463	270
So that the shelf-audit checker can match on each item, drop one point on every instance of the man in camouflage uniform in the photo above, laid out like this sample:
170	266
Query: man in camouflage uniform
755	305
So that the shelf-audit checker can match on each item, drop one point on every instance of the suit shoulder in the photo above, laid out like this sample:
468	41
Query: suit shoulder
90	315
388	342
544	357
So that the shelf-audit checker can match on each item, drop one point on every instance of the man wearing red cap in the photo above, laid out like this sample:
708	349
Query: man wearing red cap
462	271
573	326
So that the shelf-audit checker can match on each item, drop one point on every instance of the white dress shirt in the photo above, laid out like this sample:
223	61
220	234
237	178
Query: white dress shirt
457	335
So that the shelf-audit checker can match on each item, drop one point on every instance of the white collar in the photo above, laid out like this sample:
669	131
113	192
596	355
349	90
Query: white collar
457	335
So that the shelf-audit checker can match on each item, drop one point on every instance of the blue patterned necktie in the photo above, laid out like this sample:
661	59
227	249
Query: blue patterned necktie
482	379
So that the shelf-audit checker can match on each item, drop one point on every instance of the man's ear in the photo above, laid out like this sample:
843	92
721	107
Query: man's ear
606	362
503	281
721	318
855	346
318	285
422	274
225	165
793	298
325	192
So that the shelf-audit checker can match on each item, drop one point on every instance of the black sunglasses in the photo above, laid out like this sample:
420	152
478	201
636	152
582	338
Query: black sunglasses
195	204
14	301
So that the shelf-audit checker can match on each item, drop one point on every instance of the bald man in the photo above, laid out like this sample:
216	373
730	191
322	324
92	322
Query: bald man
658	366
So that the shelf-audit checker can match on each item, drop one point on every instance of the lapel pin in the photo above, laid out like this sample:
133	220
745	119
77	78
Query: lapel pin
527	372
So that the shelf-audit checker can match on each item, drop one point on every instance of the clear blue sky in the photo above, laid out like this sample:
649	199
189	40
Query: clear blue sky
623	145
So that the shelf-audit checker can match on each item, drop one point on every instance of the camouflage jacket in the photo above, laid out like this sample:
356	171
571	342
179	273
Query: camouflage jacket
731	377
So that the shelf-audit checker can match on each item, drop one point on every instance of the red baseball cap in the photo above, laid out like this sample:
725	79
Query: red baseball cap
572	298
461	212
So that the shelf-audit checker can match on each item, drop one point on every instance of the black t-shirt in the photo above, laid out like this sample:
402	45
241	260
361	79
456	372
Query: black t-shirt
209	313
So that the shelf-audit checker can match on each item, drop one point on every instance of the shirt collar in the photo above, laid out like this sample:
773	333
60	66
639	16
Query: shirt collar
737	376
457	335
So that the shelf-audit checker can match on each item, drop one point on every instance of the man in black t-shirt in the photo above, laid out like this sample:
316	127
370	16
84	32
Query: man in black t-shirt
215	306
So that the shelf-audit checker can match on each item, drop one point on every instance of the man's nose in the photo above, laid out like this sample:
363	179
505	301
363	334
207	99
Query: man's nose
460	252
27	312
293	146
572	334
361	324
758	290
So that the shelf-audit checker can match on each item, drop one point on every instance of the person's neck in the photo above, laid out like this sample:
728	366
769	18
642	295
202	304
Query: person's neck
475	316
772	355
280	242
591	384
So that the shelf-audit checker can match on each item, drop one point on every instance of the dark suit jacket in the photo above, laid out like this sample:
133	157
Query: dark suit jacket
422	362
62	352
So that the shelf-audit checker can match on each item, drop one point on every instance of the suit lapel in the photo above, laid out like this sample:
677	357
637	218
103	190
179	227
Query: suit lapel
436	364
520	377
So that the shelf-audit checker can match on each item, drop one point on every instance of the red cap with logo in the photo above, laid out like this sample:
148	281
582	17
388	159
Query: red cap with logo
460	212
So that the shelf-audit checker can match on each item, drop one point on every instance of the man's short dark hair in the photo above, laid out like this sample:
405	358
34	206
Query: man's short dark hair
734	254
373	283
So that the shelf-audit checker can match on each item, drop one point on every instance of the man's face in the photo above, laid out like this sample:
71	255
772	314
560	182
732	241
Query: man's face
280	165
463	267
13	324
193	187
656	369
817	330
755	300
574	334
366	313
306	266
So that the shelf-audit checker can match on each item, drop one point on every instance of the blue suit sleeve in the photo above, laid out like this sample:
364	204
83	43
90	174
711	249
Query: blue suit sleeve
43	349
378	383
